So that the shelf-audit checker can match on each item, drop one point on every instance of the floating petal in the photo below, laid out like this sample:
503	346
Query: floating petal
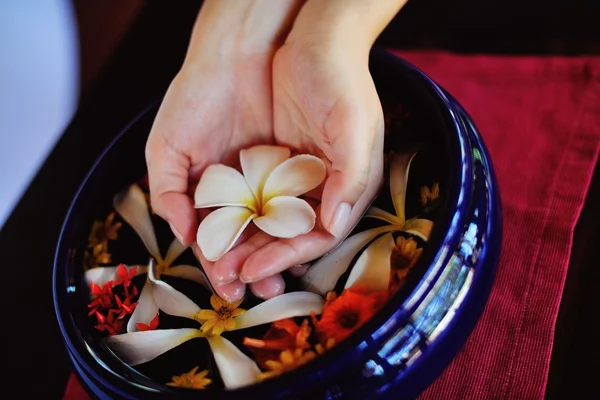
372	269
145	311
324	274
399	167
420	227
288	305
132	207
221	185
189	272
258	162
175	250
286	217
236	368
171	300
140	347
219	231
294	177
101	275
378	213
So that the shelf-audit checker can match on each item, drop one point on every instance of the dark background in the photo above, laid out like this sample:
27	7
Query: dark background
130	50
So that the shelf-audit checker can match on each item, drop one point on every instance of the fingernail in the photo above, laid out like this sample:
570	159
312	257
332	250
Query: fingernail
338	224
177	234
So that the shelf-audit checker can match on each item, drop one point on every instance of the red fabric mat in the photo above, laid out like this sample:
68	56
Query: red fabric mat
540	118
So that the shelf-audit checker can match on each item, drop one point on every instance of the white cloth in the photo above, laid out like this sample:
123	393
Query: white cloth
39	85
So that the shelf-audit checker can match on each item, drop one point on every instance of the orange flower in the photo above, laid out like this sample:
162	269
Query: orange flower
346	313
287	361
282	335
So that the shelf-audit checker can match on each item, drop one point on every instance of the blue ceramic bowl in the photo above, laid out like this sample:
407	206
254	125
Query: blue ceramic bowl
399	351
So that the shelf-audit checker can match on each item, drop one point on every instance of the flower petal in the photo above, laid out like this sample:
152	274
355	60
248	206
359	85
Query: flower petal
221	185
288	305
373	267
420	227
220	229
286	217
294	177
101	275
145	311
324	274
378	213
176	248
258	162
399	168
189	272
140	347
132	207
236	368
171	300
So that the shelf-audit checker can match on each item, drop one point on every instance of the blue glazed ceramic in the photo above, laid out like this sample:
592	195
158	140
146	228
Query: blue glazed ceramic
414	336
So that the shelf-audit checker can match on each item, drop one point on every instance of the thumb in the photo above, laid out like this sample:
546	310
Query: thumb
168	171
351	153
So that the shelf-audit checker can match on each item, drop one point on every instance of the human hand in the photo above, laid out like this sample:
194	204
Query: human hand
219	103
325	104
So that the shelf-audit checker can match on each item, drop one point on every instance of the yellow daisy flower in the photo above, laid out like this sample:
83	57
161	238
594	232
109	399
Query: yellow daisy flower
404	256
221	318
191	379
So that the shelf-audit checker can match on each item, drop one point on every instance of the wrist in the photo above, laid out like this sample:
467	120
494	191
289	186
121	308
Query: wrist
352	24
230	30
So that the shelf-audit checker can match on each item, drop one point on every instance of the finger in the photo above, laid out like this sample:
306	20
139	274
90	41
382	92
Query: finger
268	287
232	291
299	270
228	267
350	154
168	181
282	254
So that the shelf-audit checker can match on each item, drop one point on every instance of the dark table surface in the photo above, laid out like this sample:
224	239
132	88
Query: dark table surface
140	70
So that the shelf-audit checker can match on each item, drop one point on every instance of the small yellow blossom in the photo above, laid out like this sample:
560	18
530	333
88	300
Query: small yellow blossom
191	380
321	348
288	360
221	318
404	256
95	256
428	196
102	232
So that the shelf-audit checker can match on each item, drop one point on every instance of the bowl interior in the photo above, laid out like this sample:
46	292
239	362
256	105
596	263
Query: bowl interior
416	121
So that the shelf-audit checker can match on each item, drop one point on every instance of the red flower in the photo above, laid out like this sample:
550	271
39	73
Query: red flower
103	297
109	323
153	325
124	307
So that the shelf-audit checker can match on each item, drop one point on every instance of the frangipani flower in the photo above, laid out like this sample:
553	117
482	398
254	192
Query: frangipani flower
132	206
235	367
266	194
372	270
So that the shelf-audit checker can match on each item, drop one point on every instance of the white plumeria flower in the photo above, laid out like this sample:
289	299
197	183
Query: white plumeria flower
372	269
132	206
236	369
266	193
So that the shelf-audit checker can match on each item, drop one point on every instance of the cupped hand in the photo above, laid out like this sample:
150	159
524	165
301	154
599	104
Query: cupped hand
211	110
325	104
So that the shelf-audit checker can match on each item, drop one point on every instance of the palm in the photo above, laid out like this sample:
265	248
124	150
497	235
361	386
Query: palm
211	115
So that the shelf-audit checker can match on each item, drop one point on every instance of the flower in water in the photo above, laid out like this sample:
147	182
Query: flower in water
191	380
430	198
404	256
288	360
103	231
372	270
282	335
221	318
132	207
236	368
149	327
266	194
346	313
